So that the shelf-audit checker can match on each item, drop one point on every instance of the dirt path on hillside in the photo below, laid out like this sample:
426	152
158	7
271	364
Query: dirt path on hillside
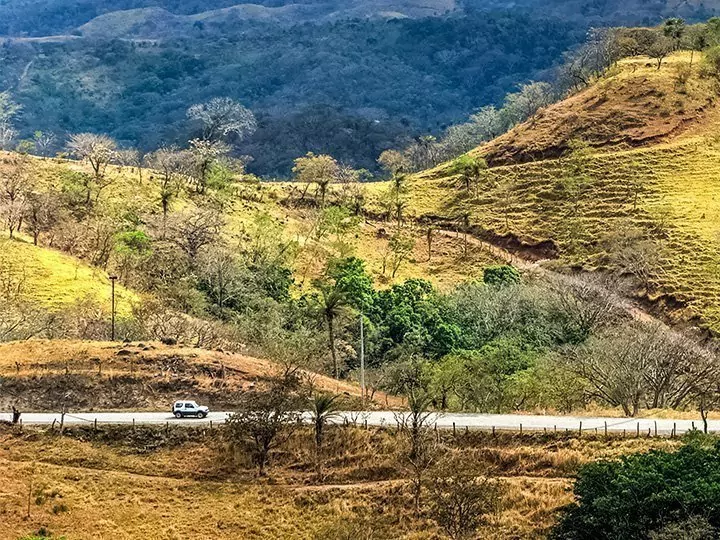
620	302
376	484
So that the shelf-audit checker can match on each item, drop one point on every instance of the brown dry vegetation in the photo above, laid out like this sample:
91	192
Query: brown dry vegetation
633	105
113	484
662	193
111	376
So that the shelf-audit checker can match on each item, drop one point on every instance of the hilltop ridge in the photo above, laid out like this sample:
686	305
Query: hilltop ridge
636	194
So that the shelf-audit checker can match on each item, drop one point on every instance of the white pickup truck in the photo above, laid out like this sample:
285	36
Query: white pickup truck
189	408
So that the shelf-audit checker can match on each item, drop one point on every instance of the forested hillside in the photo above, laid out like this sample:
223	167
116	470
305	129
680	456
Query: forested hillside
352	89
348	80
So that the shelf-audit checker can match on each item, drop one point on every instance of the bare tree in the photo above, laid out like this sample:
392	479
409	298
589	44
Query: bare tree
266	419
461	498
321	170
99	151
203	156
640	364
132	158
421	449
393	162
42	212
8	111
15	184
44	142
586	303
171	165
660	50
7	135
192	230
222	117
401	247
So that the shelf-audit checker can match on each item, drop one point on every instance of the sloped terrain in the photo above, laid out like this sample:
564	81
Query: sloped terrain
156	22
41	374
652	211
635	105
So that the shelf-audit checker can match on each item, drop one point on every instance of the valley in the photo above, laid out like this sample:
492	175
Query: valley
471	294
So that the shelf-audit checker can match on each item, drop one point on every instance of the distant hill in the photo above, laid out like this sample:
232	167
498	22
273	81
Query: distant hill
156	22
349	78
44	17
351	88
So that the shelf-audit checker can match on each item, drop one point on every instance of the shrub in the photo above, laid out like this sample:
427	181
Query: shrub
647	495
501	275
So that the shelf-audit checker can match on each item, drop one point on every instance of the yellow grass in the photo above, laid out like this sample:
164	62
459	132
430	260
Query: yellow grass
192	490
56	280
676	178
157	373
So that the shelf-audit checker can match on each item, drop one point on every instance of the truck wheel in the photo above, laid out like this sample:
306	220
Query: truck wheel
178	415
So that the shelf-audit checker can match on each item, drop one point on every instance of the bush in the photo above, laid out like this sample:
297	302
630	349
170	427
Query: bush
711	62
501	275
650	495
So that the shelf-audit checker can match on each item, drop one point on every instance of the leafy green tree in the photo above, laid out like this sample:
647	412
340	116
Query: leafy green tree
412	315
645	495
352	279
470	170
500	276
131	248
344	286
674	29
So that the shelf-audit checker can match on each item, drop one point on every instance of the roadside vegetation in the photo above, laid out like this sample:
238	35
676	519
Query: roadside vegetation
567	264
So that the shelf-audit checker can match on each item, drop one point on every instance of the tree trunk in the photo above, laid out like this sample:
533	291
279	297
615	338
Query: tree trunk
318	447
333	352
429	242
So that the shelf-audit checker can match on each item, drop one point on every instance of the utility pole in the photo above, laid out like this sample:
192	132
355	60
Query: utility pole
112	307
362	359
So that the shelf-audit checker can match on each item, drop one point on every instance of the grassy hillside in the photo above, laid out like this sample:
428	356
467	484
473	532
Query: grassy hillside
633	105
109	376
186	484
651	210
56	280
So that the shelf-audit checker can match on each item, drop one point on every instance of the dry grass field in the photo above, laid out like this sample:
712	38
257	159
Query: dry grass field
140	376
655	196
113	485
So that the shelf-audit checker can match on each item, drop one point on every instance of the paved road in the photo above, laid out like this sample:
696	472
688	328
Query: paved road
380	418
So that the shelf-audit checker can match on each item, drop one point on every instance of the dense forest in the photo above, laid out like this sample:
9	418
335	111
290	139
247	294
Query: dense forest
351	88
